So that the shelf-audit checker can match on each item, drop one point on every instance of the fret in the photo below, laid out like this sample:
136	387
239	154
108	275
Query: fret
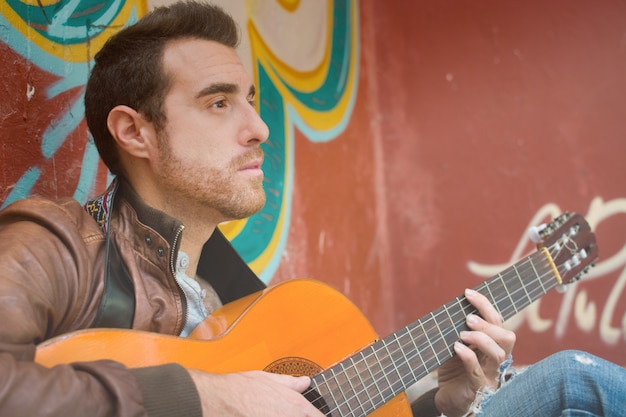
491	298
401	365
392	347
360	371
417	349
518	285
374	369
357	387
512	284
452	334
505	295
331	390
426	353
496	286
436	338
344	404
373	381
429	347
354	396
519	277
407	353
465	309
384	391
382	367
457	318
445	307
442	342
537	266
508	293
318	395
532	264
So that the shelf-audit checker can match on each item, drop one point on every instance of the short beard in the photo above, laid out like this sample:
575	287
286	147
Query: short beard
215	188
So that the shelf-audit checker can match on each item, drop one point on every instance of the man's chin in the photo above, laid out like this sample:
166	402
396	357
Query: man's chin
260	203
253	204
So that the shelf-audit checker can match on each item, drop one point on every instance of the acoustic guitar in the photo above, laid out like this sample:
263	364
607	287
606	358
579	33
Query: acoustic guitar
303	327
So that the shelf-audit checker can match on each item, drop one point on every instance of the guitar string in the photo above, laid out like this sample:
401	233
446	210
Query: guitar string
348	399
444	335
504	283
429	344
386	347
376	377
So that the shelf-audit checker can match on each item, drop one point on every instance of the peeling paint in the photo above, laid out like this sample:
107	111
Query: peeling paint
30	92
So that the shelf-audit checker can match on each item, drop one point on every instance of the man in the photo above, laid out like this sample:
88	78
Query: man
172	113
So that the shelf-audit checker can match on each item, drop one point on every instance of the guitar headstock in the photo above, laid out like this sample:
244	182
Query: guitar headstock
571	244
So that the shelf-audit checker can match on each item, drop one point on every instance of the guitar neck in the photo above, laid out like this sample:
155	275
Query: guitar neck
367	380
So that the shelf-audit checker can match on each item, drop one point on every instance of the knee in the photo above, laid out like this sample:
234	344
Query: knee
584	381
570	368
570	358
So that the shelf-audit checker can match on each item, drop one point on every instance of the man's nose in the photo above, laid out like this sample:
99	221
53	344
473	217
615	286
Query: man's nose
257	129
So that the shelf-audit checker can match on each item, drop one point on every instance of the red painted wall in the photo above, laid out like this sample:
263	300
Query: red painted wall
492	110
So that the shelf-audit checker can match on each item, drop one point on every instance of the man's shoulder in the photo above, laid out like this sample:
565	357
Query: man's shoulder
40	206
51	213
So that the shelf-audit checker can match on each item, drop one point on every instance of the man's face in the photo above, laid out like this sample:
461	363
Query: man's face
210	154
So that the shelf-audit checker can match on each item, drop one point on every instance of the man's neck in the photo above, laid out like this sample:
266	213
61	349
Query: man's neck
192	243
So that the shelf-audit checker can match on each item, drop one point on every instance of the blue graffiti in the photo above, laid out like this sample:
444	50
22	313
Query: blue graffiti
65	23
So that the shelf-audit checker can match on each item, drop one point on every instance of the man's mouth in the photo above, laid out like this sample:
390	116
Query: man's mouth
253	165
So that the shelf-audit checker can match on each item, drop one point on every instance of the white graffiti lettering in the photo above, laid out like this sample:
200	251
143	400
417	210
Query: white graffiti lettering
576	304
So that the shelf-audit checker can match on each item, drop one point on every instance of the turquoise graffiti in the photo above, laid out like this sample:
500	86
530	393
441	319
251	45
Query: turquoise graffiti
57	40
319	103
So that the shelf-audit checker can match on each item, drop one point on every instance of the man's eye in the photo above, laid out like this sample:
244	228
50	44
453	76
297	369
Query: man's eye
219	104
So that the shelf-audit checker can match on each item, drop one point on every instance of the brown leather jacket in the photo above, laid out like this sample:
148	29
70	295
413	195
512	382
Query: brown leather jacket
52	280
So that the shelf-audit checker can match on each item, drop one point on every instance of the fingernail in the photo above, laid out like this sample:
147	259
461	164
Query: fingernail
472	319
470	293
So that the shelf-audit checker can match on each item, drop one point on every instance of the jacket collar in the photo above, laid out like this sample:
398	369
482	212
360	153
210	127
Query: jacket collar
219	264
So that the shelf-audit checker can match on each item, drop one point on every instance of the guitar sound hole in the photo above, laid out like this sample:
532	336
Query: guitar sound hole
294	366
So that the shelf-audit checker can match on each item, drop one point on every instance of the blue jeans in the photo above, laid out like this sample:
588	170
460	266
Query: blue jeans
566	384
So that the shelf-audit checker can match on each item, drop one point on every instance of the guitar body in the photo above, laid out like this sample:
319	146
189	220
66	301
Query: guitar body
298	327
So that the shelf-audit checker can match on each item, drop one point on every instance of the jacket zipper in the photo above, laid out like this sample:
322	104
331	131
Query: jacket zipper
173	254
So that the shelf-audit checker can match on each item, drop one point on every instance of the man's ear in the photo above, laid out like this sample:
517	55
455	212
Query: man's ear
133	134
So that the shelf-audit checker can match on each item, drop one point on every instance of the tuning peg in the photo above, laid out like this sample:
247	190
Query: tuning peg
561	288
534	233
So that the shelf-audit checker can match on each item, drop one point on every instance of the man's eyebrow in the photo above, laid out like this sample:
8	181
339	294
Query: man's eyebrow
223	88
217	88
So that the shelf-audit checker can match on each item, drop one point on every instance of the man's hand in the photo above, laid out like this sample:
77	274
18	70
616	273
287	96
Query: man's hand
253	394
476	364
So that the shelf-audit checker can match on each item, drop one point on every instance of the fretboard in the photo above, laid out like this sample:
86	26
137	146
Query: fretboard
367	380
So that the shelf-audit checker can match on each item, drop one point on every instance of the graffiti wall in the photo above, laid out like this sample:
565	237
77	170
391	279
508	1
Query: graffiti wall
45	51
412	144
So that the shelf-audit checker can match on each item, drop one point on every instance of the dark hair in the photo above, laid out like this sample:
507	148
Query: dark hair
128	69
